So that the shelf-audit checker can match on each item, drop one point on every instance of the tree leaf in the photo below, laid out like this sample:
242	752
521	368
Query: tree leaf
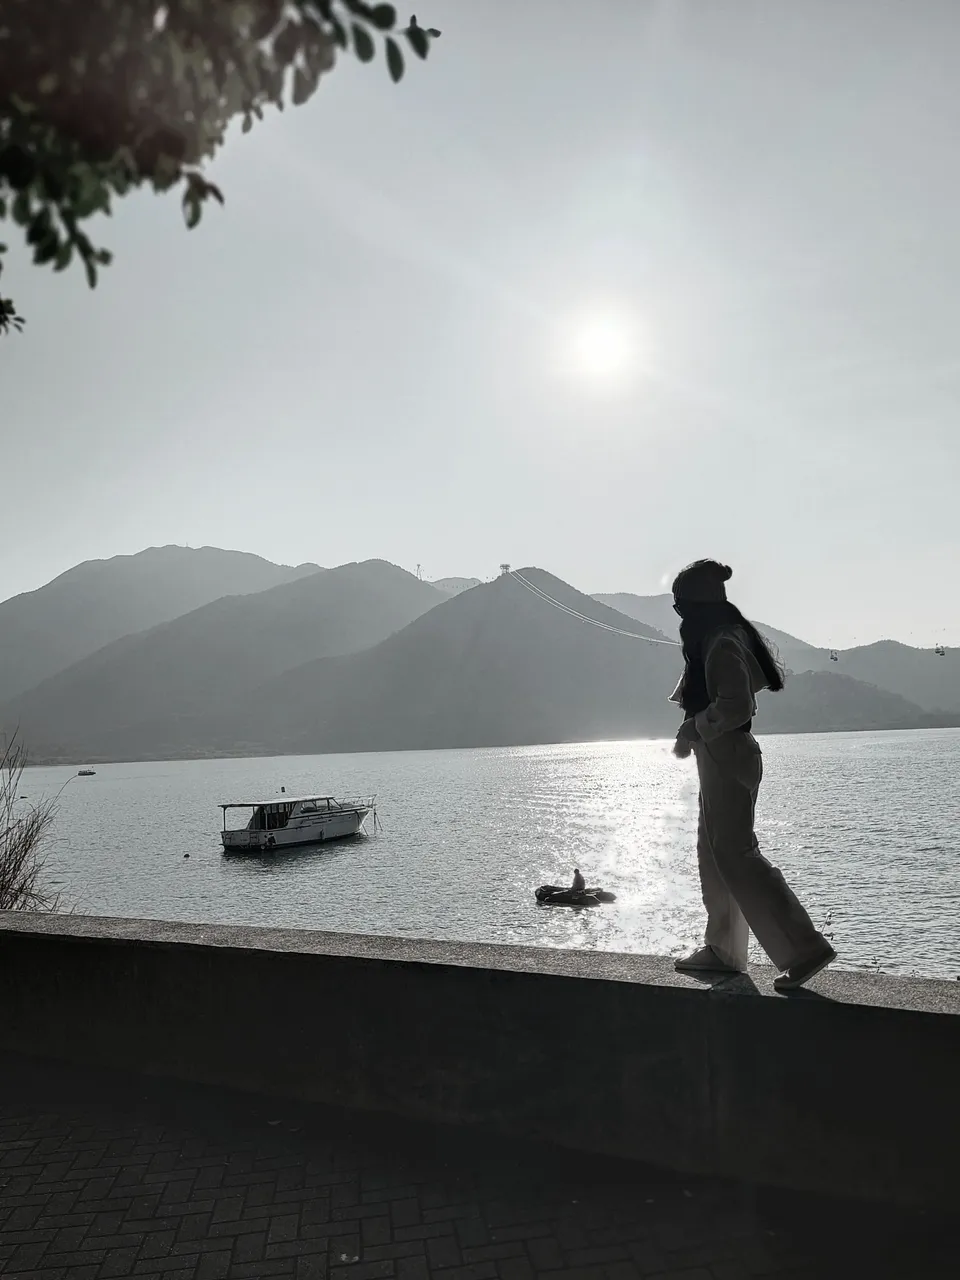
46	250
21	208
191	208
383	16
318	53
266	20
18	166
64	256
287	44
40	227
303	86
9	318
394	60
339	31
419	41
363	43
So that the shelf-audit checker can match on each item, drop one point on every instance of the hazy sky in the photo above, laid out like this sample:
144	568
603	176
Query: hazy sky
602	287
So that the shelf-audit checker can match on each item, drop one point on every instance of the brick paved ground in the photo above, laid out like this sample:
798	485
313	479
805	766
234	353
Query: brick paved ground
113	1176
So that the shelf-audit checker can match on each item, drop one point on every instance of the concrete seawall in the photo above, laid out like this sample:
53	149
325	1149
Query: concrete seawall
853	1088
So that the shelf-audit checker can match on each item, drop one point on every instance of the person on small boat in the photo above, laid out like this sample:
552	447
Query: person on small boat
726	663
579	884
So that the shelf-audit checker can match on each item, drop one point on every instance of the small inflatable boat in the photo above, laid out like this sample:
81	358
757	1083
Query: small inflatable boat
554	895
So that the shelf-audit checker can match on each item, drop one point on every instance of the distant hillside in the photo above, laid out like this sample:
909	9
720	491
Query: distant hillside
491	666
147	694
43	631
453	586
919	675
823	702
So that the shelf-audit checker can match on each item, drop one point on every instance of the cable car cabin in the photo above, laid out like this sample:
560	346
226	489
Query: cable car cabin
834	656
283	823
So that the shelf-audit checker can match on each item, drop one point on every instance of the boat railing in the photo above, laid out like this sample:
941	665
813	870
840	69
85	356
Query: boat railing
354	802
330	804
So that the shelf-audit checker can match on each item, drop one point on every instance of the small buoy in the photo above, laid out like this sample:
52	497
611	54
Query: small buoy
283	790
186	855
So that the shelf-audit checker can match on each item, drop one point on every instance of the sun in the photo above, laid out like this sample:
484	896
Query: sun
603	347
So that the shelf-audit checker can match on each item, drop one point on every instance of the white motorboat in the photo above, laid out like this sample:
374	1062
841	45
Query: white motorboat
287	821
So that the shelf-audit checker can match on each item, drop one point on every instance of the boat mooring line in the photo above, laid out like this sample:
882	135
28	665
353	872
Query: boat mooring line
582	617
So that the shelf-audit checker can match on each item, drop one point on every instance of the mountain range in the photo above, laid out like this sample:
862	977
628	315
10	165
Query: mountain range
147	691
178	652
43	631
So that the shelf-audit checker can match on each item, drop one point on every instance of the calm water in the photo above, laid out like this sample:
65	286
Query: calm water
865	826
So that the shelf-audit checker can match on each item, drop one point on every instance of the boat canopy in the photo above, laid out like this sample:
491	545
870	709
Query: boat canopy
282	799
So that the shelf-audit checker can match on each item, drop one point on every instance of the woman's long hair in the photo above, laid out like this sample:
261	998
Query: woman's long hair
770	664
699	622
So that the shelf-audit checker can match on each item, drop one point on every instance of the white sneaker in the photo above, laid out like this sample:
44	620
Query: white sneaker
705	960
798	974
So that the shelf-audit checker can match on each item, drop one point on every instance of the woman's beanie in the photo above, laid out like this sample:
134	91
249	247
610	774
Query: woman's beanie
702	582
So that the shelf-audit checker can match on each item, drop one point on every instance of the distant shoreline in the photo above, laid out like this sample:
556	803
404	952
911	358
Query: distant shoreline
263	753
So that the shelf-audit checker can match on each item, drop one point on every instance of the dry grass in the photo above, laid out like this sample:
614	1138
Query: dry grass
24	828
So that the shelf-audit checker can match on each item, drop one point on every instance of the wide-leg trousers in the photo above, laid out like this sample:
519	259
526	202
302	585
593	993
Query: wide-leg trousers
741	889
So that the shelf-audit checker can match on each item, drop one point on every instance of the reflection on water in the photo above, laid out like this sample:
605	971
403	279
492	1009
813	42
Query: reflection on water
865	827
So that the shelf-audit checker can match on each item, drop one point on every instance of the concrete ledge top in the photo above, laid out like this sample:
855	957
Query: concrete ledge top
920	995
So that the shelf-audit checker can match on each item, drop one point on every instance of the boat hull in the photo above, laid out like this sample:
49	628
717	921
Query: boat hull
336	825
552	895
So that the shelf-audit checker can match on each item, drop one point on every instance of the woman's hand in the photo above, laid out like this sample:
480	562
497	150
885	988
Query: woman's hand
686	736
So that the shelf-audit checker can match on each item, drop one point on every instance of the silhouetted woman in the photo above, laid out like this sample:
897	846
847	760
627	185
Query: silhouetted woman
726	663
